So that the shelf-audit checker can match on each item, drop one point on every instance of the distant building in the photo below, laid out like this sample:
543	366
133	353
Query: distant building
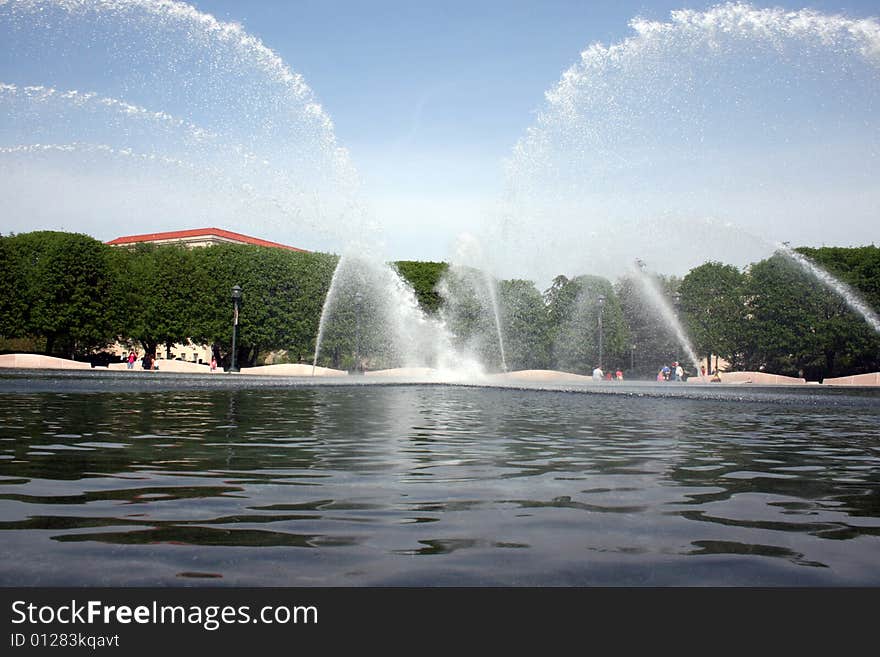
198	237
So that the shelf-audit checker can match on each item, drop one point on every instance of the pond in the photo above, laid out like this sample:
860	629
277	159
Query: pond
157	480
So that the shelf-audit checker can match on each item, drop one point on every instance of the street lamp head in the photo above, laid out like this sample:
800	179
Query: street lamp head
601	299
236	292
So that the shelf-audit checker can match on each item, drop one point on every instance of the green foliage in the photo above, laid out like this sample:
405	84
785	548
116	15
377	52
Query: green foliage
78	294
652	343
468	313
525	325
798	327
858	267
282	296
358	332
424	277
575	308
712	306
70	295
58	289
13	301
160	288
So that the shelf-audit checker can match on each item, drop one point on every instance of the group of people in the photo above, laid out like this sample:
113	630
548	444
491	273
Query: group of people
599	375
674	373
147	362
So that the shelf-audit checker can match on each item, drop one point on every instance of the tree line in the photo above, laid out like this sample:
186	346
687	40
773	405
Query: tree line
69	295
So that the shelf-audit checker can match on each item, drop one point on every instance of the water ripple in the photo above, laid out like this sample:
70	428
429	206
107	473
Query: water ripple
334	485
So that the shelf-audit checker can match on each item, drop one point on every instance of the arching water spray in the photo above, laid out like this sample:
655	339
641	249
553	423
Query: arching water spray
846	293
472	271
654	295
496	313
736	111
184	87
214	179
325	309
56	99
372	313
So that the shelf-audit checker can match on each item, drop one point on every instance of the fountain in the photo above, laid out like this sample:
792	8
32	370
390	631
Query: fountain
649	147
168	113
640	144
249	481
844	291
371	315
677	143
471	302
655	297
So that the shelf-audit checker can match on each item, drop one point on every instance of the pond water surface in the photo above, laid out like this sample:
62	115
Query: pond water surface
146	480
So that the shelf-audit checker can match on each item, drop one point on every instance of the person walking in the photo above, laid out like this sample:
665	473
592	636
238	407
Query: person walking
679	371
598	374
131	358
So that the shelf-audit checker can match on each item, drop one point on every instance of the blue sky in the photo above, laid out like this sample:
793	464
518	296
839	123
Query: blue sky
430	97
450	74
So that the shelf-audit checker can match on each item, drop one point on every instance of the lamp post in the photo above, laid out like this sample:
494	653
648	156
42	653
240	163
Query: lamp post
358	301
236	301
632	357
601	309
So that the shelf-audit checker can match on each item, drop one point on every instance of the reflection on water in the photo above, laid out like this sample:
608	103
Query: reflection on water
436	485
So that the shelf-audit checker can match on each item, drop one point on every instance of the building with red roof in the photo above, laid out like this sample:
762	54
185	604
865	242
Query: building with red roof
198	237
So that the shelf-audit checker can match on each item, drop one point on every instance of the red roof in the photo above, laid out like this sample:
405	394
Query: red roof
200	232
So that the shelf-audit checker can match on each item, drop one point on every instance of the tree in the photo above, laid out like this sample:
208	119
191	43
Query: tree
858	267
62	282
712	308
525	325
574	308
283	293
160	287
14	303
653	342
469	314
797	326
424	277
